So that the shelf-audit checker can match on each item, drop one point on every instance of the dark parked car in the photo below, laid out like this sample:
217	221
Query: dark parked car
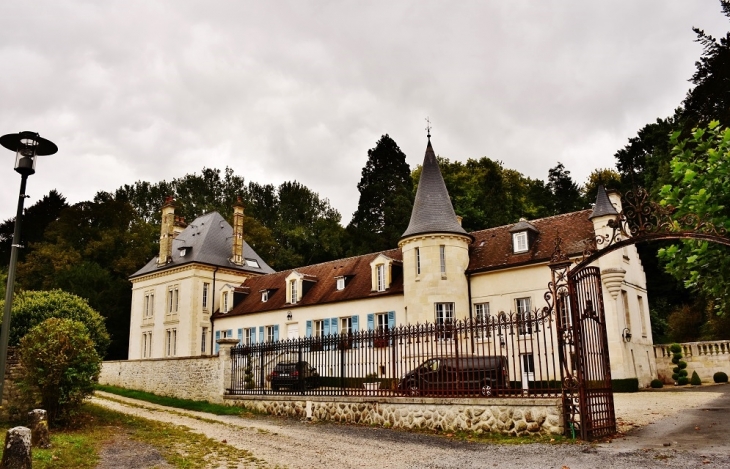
448	375
297	376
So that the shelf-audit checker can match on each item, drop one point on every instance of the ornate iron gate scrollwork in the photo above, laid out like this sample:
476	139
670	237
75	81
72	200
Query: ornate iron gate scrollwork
577	298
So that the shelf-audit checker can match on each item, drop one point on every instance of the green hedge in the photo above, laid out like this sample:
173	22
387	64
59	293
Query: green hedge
625	385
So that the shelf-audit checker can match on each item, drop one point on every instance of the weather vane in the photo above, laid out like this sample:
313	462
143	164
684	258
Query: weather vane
428	127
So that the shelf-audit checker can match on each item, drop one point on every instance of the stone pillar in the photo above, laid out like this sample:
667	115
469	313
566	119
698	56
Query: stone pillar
38	423
224	355
16	454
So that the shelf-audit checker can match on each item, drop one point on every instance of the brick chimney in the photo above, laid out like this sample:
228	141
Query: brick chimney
237	250
167	231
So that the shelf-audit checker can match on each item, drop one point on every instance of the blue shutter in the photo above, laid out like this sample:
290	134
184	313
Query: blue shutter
240	336
276	333
333	326
309	329
371	321
229	334
391	319
355	323
326	327
252	335
261	334
217	336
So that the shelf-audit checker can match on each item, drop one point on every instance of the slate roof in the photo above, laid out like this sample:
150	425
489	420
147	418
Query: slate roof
209	239
492	248
323	290
603	205
432	209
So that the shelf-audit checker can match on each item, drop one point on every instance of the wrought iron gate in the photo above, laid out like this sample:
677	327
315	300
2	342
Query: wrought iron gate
577	297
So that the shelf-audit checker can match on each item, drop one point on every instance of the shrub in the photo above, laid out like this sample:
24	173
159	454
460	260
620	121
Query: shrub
695	380
720	377
60	365
680	370
625	385
657	383
31	308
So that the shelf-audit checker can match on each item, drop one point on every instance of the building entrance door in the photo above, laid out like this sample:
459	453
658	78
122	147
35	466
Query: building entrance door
292	331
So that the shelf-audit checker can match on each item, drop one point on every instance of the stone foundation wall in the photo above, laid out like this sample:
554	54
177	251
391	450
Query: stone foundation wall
508	416
706	358
197	378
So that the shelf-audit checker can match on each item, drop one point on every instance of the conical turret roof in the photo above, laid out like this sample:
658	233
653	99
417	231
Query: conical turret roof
432	209
603	205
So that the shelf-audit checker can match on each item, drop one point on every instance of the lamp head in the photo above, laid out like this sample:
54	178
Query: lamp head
27	146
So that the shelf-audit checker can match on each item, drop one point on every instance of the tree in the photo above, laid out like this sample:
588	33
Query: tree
60	364
36	219
386	199
700	179
31	308
605	177
565	192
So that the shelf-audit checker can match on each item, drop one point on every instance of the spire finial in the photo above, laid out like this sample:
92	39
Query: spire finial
428	128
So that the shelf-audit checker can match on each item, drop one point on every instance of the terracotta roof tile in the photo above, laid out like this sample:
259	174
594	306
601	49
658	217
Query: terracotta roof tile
324	289
492	248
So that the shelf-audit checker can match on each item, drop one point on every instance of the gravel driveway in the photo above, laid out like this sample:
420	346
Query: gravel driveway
299	444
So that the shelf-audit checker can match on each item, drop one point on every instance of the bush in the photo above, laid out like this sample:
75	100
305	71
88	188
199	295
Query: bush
680	371
60	365
720	377
625	385
657	383
695	380
31	308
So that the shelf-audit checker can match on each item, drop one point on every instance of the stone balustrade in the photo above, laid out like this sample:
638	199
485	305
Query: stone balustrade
706	358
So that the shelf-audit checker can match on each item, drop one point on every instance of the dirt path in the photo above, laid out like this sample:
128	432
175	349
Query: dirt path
298	444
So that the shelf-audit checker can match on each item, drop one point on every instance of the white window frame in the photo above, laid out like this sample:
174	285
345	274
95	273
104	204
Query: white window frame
249	332
253	263
144	345
381	322
482	314
380	277
627	309
519	242
523	306
346	325
206	288
171	342
444	315
204	340
173	299
265	296
293	294
269	334
340	283
224	301
318	328
640	299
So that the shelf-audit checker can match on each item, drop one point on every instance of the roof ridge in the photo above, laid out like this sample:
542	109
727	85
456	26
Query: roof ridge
334	261
533	220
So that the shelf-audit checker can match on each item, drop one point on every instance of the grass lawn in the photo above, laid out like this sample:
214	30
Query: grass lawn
79	448
200	406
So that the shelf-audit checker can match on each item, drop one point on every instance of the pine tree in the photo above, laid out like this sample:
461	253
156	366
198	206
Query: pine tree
386	199
565	192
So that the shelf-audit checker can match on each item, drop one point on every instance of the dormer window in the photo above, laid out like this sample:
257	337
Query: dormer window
253	263
381	269
524	234
340	283
265	296
297	285
519	242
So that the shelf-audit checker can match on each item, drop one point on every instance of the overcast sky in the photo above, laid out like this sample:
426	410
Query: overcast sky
300	90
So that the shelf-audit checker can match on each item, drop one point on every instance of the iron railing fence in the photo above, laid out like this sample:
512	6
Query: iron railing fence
506	355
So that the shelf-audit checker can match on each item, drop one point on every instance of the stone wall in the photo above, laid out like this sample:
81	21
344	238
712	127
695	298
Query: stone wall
12	407
706	358
508	416
197	378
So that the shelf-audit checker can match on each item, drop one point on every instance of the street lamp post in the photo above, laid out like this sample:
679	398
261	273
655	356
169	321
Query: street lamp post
27	146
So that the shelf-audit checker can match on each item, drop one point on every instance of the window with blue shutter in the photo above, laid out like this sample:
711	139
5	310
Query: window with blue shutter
276	333
309	329
229	334
355	323
217	336
240	336
333	326
261	334
391	319
371	321
326	327
252	335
